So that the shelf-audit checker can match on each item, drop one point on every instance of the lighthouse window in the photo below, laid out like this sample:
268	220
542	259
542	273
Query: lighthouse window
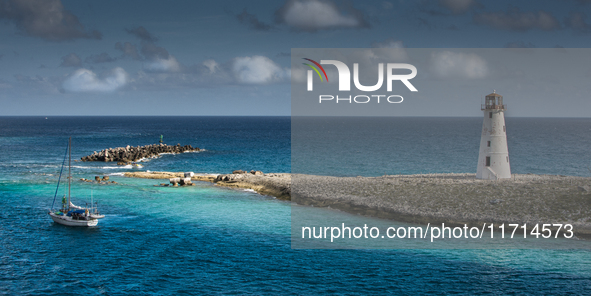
507	158
488	161
489	114
504	129
487	143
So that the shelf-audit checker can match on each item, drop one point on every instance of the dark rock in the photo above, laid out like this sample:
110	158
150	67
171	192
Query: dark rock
129	154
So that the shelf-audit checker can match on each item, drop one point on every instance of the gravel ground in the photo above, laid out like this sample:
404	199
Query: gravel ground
454	198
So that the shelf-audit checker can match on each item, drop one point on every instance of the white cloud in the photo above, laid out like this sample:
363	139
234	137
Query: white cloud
389	50
84	80
164	65
311	15
210	73
211	65
298	74
258	70
449	64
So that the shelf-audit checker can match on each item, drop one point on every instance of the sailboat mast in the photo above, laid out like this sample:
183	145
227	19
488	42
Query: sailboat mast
69	168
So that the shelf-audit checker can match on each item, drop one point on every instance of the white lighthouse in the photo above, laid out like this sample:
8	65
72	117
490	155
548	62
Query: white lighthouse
493	159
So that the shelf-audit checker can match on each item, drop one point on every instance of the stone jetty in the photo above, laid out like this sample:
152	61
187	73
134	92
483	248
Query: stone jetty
129	154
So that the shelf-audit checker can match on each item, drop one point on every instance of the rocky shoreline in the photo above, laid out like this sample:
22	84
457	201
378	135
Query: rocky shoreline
276	185
124	155
454	199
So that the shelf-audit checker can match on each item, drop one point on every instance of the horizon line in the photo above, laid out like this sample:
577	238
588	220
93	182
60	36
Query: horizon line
405	116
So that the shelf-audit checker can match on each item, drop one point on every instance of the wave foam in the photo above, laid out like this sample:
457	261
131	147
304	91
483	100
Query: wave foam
104	167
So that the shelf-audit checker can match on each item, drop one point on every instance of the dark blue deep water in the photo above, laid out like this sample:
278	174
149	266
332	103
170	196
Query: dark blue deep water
209	240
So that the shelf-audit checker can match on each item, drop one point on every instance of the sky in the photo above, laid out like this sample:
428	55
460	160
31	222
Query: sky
234	57
535	82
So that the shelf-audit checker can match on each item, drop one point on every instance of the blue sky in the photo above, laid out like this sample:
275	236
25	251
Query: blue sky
233	57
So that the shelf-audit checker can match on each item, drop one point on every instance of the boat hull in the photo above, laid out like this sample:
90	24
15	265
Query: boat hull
68	221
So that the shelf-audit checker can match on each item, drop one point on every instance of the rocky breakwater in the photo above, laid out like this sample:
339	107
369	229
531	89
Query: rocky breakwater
124	155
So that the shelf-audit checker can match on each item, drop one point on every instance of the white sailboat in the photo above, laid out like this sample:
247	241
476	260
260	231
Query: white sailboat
70	214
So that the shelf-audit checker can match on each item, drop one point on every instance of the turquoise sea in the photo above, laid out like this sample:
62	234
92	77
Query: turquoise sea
205	240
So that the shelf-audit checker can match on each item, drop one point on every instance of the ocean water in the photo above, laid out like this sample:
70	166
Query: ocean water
374	146
209	240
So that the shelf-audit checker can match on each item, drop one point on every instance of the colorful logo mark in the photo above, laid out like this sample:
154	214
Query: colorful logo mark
315	69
